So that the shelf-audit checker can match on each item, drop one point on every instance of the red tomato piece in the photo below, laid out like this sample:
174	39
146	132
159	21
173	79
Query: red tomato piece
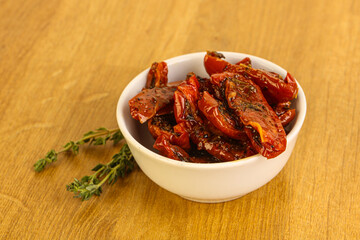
262	125
185	99
165	125
157	76
285	113
169	150
245	61
217	114
149	101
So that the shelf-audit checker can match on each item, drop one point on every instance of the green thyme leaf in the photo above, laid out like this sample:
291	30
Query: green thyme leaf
121	164
99	137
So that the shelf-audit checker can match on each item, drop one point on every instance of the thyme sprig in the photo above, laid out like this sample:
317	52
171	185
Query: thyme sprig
98	137
121	164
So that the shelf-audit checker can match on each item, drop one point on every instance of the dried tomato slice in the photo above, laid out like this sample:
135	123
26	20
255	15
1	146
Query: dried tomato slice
157	76
285	113
149	101
262	125
218	115
166	125
169	150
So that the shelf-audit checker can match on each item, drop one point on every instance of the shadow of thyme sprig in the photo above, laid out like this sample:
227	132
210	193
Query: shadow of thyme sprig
98	137
121	164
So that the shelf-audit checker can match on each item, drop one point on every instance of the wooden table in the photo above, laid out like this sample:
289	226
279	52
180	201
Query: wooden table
64	64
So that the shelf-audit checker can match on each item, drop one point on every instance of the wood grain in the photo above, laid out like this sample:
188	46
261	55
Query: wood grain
63	65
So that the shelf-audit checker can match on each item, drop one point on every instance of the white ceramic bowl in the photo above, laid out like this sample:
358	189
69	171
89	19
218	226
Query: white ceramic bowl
212	182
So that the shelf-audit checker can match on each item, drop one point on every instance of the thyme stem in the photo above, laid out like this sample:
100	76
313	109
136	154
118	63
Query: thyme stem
121	164
98	137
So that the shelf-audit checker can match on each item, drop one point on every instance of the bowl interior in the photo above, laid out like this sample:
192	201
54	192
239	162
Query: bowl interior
178	67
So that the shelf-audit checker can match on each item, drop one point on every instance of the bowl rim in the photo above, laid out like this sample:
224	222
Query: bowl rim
244	161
